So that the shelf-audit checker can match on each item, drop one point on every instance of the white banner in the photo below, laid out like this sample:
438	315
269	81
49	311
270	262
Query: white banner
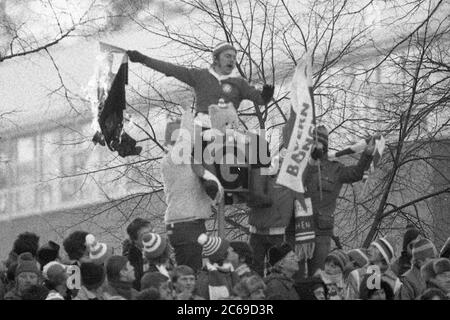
301	140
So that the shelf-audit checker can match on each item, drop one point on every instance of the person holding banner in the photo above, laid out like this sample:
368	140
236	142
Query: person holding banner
316	180
324	189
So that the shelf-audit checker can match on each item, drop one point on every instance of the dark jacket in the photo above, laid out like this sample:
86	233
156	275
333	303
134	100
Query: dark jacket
12	295
281	211
413	285
208	89
134	255
208	280
118	289
334	175
402	264
280	287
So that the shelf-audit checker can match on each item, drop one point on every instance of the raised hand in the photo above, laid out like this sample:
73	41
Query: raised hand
267	92
135	56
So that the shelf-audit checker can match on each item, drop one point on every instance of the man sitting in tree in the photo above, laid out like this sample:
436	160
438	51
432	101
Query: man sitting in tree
212	84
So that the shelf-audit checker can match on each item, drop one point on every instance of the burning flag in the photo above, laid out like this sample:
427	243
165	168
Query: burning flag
108	101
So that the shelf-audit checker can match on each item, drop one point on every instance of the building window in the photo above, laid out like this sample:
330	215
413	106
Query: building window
26	161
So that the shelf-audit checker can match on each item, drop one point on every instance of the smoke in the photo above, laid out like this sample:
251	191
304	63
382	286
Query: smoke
120	12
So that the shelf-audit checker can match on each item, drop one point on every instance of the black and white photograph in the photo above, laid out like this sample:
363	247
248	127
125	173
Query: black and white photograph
240	151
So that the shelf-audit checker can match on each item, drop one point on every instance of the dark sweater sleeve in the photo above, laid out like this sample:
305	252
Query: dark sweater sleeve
251	93
351	174
186	75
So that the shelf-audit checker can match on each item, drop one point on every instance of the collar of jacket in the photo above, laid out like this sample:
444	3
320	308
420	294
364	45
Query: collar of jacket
226	267
135	254
220	77
122	288
87	293
242	269
163	270
276	274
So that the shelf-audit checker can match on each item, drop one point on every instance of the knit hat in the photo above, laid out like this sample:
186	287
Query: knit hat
153	245
243	249
277	253
26	263
48	252
359	256
340	257
445	251
441	265
434	267
411	234
386	249
98	251
214	248
221	47
153	280
322	135
55	272
427	270
92	275
422	249
114	265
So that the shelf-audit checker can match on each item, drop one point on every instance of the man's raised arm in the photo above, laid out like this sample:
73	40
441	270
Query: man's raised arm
186	75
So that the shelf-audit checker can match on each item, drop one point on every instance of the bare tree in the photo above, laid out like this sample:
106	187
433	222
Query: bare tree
364	83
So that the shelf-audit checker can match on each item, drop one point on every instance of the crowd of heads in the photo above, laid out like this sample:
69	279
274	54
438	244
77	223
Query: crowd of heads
42	272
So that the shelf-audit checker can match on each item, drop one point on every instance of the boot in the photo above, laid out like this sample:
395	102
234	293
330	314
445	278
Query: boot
258	197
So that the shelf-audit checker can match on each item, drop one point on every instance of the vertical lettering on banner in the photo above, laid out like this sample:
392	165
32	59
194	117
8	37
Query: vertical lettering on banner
301	139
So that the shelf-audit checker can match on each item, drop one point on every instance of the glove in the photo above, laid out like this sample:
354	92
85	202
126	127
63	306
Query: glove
211	188
135	56
370	147
267	92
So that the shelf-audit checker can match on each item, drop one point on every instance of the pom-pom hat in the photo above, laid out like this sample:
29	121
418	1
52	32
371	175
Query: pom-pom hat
214	248
153	245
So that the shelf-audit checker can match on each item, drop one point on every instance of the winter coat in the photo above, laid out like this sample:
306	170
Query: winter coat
209	87
186	197
12	295
356	277
276	217
280	287
413	285
2	289
134	255
118	290
333	176
244	271
215	284
352	284
402	264
336	289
